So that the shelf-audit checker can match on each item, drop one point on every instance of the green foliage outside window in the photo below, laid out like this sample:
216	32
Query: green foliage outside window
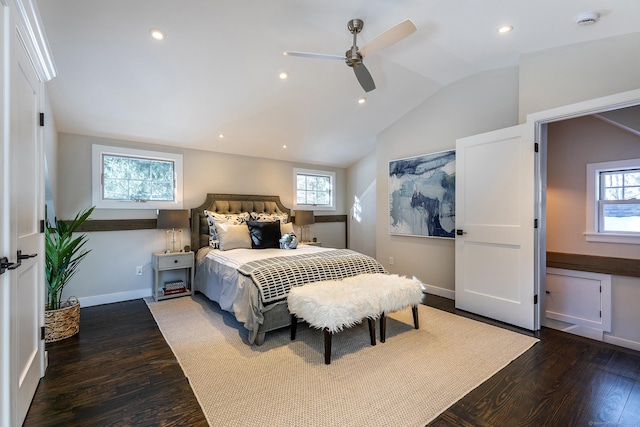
131	178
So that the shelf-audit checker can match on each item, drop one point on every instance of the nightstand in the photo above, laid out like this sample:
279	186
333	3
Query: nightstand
166	262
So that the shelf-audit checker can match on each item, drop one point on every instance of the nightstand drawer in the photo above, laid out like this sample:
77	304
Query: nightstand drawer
175	261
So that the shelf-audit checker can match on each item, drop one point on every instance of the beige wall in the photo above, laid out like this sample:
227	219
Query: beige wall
108	272
572	144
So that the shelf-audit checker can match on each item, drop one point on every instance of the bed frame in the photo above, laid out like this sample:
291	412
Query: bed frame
278	316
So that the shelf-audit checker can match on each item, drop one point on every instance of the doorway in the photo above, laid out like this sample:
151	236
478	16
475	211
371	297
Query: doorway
542	122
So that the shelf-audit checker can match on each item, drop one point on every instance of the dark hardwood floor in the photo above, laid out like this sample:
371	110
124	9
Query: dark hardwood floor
119	371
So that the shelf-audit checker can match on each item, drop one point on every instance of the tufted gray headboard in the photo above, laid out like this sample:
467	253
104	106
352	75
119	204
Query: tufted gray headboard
229	203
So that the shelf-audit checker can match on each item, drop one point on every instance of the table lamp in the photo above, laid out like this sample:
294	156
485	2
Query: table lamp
303	219
173	221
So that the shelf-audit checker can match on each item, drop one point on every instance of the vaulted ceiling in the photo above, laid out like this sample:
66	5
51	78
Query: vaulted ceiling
217	71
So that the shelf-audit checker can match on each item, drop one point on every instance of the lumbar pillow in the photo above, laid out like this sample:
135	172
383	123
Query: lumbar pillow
264	234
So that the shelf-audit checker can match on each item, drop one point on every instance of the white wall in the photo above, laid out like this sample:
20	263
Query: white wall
478	104
108	272
361	186
580	72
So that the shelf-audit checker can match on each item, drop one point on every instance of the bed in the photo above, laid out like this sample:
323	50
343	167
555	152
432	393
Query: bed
253	283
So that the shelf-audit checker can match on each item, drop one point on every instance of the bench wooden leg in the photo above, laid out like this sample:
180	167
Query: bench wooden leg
416	322
294	326
383	327
327	346
372	330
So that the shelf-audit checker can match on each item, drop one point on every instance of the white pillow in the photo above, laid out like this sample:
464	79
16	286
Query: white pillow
286	228
232	236
213	218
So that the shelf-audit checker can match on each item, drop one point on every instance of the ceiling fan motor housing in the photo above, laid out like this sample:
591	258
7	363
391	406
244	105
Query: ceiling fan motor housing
352	57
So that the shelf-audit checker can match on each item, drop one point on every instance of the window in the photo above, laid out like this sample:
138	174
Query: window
613	201
314	189
125	178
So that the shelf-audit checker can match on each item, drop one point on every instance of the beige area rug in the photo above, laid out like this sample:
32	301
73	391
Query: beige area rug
406	381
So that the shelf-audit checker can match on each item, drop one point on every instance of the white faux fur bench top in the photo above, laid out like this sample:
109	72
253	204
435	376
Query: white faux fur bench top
339	304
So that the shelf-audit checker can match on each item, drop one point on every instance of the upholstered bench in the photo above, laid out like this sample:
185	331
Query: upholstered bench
331	306
334	305
393	292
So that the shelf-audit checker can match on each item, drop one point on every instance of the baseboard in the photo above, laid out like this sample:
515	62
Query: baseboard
633	345
441	292
115	297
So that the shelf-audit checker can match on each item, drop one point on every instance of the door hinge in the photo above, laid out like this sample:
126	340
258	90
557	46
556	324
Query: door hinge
535	299
535	223
601	314
42	225
41	332
536	147
41	119
600	289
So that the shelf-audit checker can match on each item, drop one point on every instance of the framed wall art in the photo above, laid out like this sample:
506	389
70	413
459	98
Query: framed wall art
422	200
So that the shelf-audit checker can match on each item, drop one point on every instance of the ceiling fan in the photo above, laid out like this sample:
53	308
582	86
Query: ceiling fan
354	56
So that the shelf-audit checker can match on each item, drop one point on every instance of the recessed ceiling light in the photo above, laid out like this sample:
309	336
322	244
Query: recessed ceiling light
362	100
156	34
505	29
283	75
284	146
221	136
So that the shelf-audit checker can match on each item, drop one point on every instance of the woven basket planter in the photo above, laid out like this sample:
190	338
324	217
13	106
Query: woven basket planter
62	323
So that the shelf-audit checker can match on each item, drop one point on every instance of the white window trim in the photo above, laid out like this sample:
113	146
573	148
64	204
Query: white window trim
96	173
592	234
298	207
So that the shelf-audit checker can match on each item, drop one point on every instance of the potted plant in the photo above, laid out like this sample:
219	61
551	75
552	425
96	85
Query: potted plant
63	254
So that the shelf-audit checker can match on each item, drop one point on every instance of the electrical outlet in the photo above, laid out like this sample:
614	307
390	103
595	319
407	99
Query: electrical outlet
139	270
390	260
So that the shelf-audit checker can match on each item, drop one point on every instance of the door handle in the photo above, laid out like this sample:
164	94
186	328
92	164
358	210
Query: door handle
21	257
6	265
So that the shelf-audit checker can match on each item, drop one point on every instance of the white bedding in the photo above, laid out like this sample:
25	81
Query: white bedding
217	278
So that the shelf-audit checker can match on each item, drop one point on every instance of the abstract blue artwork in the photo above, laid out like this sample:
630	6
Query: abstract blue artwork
422	200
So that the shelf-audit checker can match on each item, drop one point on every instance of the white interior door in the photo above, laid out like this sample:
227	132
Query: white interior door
27	208
495	212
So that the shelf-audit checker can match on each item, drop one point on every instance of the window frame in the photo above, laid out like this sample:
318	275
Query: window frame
314	172
97	153
595	205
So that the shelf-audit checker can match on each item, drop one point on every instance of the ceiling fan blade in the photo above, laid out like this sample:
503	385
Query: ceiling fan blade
392	36
314	55
364	77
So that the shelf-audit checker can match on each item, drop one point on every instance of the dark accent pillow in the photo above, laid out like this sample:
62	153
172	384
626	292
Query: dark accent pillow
264	234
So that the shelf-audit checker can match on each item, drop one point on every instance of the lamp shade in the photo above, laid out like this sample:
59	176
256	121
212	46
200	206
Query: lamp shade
304	218
176	218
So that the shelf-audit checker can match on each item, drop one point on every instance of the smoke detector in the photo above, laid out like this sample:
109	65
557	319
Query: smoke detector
587	18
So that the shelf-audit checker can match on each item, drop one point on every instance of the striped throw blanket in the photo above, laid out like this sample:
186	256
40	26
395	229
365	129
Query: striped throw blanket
275	276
